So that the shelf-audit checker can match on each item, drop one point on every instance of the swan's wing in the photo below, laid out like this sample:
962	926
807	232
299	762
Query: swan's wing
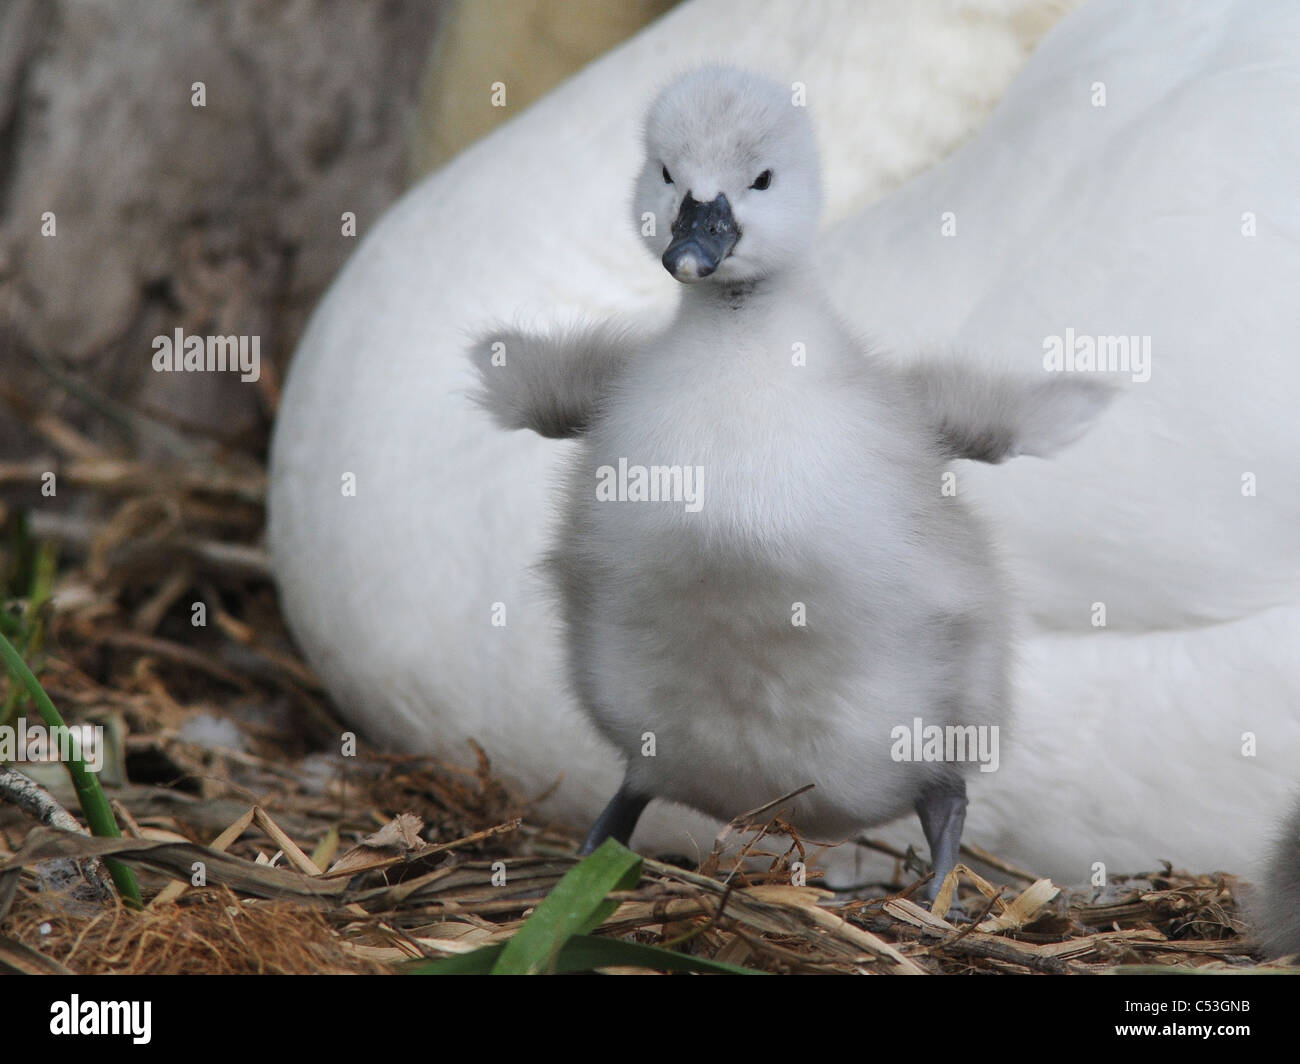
1144	207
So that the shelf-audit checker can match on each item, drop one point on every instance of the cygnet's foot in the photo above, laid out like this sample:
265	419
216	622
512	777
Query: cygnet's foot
960	911
617	820
943	815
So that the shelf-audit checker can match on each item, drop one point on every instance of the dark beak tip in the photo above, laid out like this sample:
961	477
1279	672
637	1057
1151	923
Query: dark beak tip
692	259
704	234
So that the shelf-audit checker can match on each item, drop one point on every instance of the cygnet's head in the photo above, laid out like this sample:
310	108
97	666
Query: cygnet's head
730	190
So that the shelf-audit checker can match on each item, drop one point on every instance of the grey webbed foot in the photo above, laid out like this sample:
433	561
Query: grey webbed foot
943	813
617	820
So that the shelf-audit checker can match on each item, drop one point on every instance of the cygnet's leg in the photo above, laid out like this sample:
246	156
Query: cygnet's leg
942	810
618	820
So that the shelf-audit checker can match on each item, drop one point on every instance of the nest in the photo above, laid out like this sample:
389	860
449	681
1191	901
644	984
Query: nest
396	897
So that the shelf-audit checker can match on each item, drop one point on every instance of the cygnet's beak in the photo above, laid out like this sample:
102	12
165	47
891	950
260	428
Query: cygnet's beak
703	236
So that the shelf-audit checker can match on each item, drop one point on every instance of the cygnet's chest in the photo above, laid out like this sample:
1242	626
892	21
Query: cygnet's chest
764	415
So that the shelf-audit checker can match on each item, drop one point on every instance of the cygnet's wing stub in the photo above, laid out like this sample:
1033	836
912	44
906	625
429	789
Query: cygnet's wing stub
551	383
991	417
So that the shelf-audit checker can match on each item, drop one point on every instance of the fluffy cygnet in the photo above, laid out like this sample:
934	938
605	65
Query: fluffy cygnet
765	575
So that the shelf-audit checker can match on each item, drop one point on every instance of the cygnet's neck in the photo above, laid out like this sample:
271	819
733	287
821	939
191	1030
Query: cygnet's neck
752	324
753	295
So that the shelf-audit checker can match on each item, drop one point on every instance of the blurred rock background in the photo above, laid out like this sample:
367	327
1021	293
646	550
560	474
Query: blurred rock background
224	218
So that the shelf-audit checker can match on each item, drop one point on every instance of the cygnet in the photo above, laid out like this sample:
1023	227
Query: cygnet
766	575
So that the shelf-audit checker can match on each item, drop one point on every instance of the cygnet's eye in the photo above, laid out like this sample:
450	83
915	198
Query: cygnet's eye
762	180
668	178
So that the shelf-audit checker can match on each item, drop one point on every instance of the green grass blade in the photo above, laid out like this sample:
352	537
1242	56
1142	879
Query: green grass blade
576	905
27	630
94	803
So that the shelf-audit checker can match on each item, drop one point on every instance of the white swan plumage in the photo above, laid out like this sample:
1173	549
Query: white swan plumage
1132	183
